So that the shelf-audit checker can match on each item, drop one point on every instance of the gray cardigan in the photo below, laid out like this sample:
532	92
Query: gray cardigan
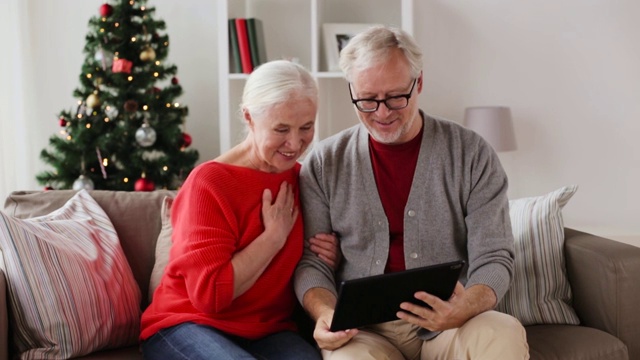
457	208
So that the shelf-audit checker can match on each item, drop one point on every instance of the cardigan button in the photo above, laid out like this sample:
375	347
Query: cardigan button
411	213
413	255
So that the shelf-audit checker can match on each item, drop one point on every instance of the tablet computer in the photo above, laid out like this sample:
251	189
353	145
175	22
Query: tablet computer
376	299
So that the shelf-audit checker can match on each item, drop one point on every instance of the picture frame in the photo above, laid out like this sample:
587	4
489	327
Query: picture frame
336	36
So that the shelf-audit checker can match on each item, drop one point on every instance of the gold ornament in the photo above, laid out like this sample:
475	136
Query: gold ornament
93	101
148	54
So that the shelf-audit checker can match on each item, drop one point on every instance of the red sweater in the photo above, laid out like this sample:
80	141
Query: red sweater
217	213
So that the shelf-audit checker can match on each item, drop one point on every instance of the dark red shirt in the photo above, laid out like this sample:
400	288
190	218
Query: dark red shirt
393	169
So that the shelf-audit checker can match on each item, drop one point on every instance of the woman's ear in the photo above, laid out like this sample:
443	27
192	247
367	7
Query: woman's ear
246	115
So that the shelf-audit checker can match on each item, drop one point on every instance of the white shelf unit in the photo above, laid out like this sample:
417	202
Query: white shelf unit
293	30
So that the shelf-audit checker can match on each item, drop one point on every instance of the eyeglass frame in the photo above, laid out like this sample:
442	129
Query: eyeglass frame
406	96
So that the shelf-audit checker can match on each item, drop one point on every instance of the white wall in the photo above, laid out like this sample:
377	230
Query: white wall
569	70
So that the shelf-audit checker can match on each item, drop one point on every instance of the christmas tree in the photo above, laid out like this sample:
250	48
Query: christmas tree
126	132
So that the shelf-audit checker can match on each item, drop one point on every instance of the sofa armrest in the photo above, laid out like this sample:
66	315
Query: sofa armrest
4	319
605	280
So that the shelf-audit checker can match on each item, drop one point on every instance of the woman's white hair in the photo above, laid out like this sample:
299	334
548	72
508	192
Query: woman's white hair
275	82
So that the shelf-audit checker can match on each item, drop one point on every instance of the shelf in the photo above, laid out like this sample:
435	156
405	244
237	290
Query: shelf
299	37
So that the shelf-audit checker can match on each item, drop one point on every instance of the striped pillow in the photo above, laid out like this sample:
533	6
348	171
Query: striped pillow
70	288
540	292
163	246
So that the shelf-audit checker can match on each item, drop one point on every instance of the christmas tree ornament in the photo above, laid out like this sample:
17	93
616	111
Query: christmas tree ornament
147	54
104	58
111	111
122	66
106	10
130	106
145	135
185	141
63	122
144	184
83	182
48	187
93	101
174	80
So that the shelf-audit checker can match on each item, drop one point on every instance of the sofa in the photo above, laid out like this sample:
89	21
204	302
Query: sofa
603	274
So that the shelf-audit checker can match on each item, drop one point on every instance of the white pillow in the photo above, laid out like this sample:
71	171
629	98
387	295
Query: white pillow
71	291
540	292
163	246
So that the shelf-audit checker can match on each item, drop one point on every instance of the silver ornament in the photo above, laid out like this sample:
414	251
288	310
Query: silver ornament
145	135
105	58
83	182
111	111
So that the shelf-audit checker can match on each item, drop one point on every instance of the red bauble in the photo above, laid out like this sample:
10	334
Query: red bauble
144	184
174	80
106	10
186	140
63	122
47	188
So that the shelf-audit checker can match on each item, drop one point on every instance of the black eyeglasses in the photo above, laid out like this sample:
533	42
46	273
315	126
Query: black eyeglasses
397	102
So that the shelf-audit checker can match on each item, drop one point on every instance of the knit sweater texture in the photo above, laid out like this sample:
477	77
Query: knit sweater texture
457	208
217	213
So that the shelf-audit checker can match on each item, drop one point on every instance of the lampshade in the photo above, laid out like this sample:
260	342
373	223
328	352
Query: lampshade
494	124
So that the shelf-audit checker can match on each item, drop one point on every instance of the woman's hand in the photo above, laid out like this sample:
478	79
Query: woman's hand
280	216
327	248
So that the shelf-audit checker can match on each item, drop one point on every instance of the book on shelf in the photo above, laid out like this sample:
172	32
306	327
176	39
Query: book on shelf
243	45
256	41
235	66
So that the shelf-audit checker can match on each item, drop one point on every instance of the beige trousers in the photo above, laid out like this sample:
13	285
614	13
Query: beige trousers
491	335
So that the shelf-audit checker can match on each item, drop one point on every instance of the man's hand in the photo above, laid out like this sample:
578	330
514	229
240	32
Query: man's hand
320	304
327	248
331	340
453	313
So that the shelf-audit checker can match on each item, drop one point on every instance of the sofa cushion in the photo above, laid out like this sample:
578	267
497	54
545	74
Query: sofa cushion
540	292
163	246
570	342
71	290
135	216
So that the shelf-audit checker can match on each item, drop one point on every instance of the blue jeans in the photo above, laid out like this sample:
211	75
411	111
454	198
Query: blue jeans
198	342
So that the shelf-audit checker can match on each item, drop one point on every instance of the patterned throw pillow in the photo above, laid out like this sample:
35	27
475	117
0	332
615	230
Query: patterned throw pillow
70	289
163	246
540	292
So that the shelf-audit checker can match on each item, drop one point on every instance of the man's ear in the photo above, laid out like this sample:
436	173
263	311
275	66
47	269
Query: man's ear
420	83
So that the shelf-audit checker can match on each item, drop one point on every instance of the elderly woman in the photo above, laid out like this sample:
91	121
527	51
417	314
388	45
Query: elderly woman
238	235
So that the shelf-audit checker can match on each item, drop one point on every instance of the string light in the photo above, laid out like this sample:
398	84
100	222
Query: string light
133	39
156	74
165	168
130	78
105	162
89	76
88	126
126	180
145	107
176	105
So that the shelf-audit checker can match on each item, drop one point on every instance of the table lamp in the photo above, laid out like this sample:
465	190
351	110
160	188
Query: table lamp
494	124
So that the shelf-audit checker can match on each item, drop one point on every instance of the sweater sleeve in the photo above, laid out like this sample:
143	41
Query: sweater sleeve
204	241
489	237
312	272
